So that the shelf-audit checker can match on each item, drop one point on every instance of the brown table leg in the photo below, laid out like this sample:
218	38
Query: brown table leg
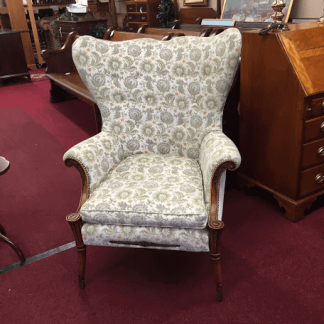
5	239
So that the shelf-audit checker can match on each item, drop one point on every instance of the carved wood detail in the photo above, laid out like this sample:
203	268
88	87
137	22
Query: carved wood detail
214	241
84	180
76	225
216	226
294	209
213	221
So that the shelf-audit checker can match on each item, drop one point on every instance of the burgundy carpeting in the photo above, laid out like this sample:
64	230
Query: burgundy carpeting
272	271
38	190
272	268
70	122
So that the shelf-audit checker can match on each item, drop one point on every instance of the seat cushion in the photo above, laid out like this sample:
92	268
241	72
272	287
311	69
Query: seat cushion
150	190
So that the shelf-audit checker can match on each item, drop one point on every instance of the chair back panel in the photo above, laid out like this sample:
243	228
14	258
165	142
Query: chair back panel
160	97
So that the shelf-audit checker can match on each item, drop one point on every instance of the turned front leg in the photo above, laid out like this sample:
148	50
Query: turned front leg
76	225
215	234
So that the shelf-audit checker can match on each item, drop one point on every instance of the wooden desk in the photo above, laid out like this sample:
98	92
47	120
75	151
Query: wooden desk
13	61
282	115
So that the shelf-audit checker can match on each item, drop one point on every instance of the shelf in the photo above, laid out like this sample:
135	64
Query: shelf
62	5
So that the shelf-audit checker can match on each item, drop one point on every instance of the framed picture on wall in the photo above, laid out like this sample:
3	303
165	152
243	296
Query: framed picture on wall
199	3
252	10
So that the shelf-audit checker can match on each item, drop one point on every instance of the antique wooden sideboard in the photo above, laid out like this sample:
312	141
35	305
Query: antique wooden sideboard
282	115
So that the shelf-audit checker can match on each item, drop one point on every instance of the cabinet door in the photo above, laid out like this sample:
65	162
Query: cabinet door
12	55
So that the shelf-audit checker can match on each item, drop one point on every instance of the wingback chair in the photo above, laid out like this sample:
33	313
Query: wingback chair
154	177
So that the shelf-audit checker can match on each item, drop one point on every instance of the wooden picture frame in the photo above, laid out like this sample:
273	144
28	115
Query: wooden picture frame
195	3
252	10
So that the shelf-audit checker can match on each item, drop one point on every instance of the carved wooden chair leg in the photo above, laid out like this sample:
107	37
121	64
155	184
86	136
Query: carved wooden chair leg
215	259
15	247
76	225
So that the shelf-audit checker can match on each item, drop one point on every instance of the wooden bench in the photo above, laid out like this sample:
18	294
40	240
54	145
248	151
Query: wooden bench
65	81
202	32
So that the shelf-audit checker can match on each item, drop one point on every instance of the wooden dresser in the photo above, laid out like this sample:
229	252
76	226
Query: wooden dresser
282	115
142	12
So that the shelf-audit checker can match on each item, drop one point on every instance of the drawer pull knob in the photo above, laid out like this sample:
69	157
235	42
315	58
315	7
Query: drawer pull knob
320	151
322	127
323	104
319	178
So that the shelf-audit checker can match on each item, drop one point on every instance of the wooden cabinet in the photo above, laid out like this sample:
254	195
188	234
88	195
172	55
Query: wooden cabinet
13	61
82	27
282	115
142	12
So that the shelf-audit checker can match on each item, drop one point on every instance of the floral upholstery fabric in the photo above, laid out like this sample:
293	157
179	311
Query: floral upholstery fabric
216	148
98	155
178	239
159	97
150	190
161	102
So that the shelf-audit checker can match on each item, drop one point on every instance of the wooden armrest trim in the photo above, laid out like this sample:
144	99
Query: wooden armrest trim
213	221
84	180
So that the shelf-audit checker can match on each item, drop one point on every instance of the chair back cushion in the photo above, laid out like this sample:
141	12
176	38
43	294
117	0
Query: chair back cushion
160	96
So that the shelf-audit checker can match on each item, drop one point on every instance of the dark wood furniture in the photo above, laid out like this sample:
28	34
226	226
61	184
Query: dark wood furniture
144	29
81	26
4	167
192	15
282	115
139	12
13	61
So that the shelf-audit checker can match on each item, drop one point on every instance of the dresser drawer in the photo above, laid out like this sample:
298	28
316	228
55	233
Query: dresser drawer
313	153
142	17
314	129
141	7
132	17
312	180
315	108
131	7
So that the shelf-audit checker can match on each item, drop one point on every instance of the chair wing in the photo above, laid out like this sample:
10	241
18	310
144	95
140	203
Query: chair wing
160	97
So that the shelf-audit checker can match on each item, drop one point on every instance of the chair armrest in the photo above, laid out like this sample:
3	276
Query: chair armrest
97	156
217	153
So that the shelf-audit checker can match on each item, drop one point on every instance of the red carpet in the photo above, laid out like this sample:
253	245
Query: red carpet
70	122
38	191
272	269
